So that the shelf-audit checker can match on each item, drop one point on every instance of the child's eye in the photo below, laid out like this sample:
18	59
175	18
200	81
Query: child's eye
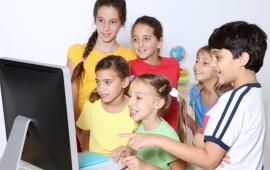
146	38
97	82
134	39
108	82
138	98
205	63
114	22
218	57
196	61
100	20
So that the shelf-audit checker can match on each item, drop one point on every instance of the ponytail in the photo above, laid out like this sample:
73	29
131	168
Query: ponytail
79	72
182	125
94	96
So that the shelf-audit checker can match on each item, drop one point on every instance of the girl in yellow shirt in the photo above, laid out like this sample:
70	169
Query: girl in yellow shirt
109	16
106	114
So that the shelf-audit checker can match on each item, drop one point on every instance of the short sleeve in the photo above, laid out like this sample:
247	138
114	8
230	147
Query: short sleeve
75	53
225	120
84	119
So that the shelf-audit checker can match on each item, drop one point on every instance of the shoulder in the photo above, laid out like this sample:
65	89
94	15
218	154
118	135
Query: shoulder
75	52
134	61
194	90
126	53
76	48
167	130
171	61
89	105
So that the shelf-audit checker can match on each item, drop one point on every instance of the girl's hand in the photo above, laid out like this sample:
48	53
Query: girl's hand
198	139
226	160
120	152
138	141
133	163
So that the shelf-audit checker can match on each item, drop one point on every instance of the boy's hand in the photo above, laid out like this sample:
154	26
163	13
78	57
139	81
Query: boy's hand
120	152
138	141
133	163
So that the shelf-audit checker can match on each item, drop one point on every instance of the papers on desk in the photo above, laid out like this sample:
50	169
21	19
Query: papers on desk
96	161
87	158
111	165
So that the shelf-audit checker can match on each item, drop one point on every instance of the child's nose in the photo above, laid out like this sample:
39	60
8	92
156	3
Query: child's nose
130	102
106	26
140	43
101	87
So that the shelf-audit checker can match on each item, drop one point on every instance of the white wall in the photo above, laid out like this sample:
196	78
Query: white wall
43	30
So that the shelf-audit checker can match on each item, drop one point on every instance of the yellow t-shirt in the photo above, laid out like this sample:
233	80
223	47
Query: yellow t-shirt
105	127
88	83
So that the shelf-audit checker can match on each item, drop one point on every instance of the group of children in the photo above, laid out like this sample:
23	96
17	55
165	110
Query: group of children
122	100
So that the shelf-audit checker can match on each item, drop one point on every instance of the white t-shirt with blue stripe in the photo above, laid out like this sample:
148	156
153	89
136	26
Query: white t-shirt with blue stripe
237	124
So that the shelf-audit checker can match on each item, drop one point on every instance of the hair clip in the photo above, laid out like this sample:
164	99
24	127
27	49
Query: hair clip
174	92
131	77
161	89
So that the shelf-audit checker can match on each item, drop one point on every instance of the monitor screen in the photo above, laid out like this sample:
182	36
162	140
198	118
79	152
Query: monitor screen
41	93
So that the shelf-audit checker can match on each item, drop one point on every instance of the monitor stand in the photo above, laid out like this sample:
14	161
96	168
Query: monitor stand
13	152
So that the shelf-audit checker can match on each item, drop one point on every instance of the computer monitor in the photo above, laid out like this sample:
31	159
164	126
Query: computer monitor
38	114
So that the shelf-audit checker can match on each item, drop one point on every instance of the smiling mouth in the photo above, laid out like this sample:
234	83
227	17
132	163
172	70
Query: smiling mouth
103	95
132	113
106	34
141	51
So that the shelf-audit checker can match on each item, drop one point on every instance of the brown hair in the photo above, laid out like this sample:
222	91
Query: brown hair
151	22
118	64
120	6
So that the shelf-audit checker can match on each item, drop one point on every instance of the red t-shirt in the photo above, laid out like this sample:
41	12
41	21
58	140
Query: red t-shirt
169	68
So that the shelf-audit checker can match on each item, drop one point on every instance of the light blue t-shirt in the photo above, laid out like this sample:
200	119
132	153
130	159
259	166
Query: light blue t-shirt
196	103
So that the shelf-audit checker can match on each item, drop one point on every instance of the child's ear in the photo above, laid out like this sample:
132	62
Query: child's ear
159	103
160	42
243	59
126	82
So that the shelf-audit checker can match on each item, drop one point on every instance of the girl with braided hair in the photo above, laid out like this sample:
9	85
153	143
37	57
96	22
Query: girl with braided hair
109	17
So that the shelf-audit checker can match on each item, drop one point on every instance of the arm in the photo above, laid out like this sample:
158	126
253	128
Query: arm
75	90
211	152
178	165
83	136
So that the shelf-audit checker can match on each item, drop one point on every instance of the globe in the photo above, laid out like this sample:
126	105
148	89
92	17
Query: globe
177	52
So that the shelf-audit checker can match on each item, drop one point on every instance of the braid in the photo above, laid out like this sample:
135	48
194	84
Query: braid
78	72
90	44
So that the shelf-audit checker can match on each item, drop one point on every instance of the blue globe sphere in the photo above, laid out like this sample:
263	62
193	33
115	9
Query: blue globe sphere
177	52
